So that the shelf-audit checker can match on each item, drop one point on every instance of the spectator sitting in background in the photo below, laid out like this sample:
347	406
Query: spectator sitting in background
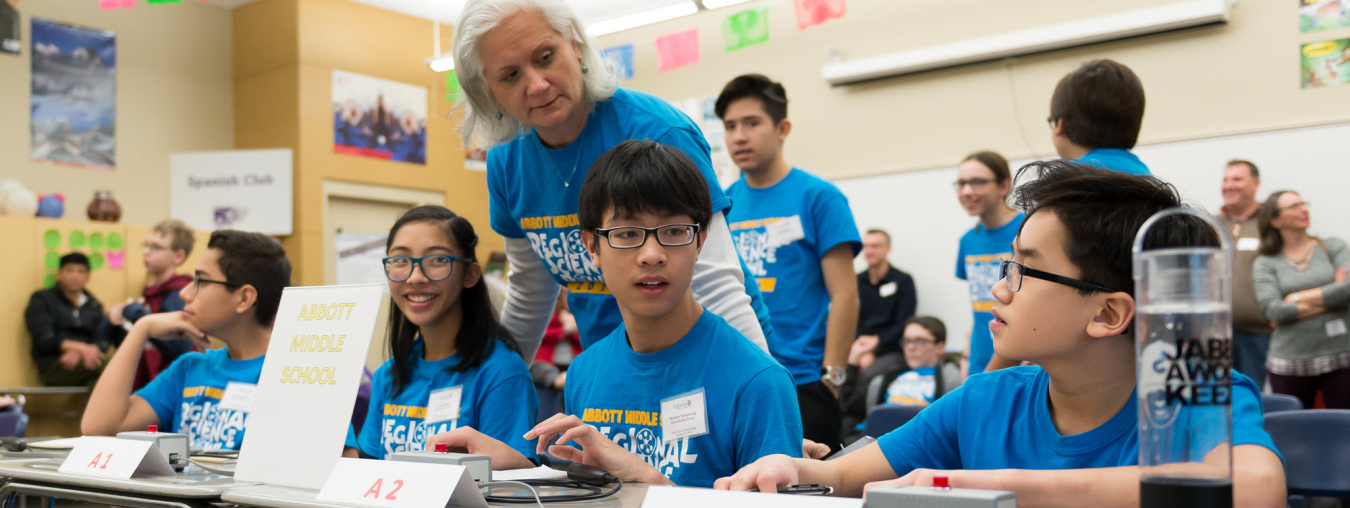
560	345
66	323
924	375
886	301
164	250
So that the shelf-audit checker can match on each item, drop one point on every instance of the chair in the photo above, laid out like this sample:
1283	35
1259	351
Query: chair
1315	449
884	419
13	421
1272	402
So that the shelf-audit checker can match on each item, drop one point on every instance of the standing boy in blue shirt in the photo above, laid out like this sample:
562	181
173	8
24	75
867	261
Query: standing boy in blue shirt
233	296
982	184
1095	115
675	394
1063	432
796	233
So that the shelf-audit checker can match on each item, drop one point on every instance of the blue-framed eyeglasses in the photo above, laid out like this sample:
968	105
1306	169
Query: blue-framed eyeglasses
434	267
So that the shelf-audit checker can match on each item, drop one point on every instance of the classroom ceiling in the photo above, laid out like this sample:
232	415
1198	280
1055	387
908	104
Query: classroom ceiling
590	11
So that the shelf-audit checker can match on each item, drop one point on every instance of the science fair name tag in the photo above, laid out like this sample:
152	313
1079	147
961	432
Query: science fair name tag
887	289
1335	327
238	396
1248	243
394	484
116	458
684	416
786	230
443	404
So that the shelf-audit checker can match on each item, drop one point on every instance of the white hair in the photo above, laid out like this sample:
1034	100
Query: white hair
485	123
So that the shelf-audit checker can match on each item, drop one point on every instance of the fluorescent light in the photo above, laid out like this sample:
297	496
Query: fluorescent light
648	17
1023	42
442	63
718	4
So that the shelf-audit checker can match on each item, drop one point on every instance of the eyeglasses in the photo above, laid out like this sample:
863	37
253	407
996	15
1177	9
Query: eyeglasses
1302	205
435	267
974	183
197	283
918	342
1013	272
153	247
632	237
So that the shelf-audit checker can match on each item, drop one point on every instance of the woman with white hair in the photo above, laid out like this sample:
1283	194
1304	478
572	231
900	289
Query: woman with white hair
536	90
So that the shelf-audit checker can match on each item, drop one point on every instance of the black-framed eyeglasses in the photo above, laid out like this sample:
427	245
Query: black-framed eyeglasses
632	237
1295	207
197	283
1012	272
435	267
917	342
974	183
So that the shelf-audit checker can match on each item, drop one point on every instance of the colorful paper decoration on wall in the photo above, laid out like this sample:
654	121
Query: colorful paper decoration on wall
816	12
74	90
153	2
622	58
678	49
1318	15
115	241
117	260
451	86
116	4
1325	63
746	28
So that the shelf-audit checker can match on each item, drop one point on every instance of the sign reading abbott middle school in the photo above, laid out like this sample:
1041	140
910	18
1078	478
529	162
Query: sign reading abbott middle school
248	190
308	384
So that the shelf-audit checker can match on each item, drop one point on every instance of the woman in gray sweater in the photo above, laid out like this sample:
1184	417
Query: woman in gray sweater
1300	282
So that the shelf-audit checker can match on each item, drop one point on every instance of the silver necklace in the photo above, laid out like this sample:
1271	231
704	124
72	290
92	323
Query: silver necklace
567	182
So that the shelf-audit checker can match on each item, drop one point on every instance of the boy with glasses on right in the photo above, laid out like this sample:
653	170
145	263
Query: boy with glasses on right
1063	432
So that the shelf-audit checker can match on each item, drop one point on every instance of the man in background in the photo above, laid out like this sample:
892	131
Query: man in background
66	323
886	299
1251	329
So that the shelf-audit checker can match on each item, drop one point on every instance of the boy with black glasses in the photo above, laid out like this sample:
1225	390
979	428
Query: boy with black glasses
1065	431
233	296
675	394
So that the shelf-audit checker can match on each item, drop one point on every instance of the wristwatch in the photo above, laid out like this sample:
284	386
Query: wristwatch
834	375
1296	297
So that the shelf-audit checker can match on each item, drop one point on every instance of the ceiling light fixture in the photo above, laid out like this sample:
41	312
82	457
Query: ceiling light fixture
643	18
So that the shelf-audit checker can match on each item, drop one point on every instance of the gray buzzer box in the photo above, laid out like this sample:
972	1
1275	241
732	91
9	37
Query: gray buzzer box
479	466
931	497
173	446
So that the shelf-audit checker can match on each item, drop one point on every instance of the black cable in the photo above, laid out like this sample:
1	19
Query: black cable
595	492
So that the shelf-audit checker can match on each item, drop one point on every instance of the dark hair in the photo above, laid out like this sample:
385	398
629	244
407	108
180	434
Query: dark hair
1256	173
882	232
930	323
1101	211
1101	104
769	93
179	235
992	160
257	260
1271	241
643	176
75	258
480	327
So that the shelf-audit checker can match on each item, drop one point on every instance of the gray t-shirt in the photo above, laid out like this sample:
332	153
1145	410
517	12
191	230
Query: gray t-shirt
1317	336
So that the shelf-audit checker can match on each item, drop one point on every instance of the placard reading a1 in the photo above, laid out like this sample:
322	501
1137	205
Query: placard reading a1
397	484
308	384
116	458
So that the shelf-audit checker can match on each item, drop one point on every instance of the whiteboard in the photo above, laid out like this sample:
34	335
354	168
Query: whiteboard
920	210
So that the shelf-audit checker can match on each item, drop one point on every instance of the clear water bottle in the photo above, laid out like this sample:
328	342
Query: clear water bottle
1183	323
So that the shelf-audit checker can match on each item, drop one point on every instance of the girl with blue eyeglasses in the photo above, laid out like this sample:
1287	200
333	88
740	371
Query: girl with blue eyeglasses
453	371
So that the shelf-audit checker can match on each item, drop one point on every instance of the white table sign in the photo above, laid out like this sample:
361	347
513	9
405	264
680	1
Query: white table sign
303	404
683	497
388	483
116	458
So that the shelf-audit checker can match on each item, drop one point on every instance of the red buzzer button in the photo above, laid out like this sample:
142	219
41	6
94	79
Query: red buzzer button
940	482
152	429
442	448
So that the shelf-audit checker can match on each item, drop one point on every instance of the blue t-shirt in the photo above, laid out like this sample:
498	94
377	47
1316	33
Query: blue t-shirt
1001	420
750	401
917	387
496	398
782	232
977	263
527	197
1116	159
186	397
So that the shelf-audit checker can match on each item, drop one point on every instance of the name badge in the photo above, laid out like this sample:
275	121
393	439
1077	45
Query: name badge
1335	327
238	396
1248	243
684	416
887	289
786	230
443	404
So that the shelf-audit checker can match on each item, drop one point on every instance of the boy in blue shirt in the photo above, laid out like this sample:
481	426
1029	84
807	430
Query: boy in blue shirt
1095	115
796	233
1064	431
674	394
233	296
982	184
